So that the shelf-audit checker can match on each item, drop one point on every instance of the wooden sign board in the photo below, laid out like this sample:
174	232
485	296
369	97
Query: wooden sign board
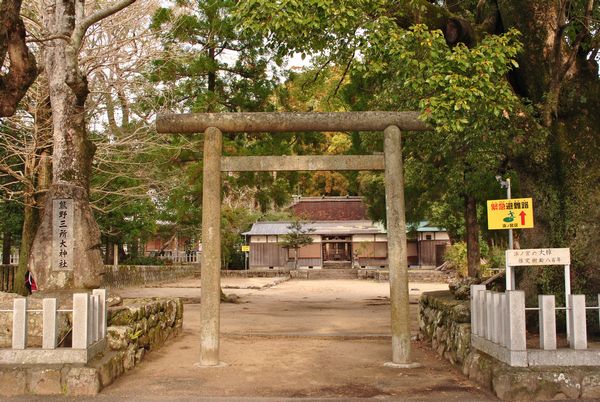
538	256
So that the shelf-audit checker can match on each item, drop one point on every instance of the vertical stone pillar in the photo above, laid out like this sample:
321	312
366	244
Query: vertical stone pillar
19	327
516	326
396	234
503	319
116	256
49	323
210	280
547	322
102	316
81	309
578	322
475	321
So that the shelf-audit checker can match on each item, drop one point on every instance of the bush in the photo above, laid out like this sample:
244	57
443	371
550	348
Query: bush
456	257
496	258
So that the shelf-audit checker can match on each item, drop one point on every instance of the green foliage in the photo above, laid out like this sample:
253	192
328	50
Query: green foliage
496	257
234	221
298	236
456	257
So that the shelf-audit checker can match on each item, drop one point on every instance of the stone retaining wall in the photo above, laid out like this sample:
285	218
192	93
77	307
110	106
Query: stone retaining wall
136	326
414	275
255	273
132	275
445	322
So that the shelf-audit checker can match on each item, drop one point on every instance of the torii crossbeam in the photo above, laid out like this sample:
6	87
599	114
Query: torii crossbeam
214	124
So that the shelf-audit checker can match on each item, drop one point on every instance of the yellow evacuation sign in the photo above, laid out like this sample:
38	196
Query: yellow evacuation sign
516	213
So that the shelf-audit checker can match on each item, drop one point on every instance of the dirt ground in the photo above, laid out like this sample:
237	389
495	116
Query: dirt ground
312	340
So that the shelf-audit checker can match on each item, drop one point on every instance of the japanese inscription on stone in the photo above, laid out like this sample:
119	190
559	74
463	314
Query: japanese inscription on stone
62	234
538	256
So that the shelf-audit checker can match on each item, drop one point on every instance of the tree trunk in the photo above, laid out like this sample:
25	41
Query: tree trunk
72	162
30	222
473	254
22	67
38	167
6	246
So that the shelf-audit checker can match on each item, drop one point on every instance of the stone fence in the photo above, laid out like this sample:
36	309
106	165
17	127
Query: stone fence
133	275
88	329
499	329
135	326
446	323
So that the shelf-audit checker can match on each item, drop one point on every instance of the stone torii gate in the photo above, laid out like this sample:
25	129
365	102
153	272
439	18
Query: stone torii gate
214	124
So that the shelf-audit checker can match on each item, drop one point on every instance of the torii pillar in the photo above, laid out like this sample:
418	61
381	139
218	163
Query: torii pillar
213	124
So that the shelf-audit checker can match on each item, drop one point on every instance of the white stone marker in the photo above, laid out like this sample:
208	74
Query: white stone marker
516	324
482	314
101	293
475	307
577	321
503	319
489	311
49	324
19	335
81	303
547	306
497	317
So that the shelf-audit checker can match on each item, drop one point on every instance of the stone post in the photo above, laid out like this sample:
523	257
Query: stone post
497	318
577	322
547	322
475	321
516	326
210	279
503	319
489	312
49	323
81	310
101	293
115	256
19	327
398	266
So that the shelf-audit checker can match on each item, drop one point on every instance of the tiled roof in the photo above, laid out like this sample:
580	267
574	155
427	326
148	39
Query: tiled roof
320	228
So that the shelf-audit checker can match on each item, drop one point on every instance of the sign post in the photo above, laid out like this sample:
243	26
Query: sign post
512	213
537	257
245	250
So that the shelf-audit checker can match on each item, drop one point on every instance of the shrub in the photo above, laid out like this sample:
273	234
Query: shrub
456	257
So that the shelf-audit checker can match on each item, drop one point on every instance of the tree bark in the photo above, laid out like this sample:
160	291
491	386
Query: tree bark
22	69
473	253
6	246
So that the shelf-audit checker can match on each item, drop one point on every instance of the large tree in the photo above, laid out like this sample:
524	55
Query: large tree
66	23
557	76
